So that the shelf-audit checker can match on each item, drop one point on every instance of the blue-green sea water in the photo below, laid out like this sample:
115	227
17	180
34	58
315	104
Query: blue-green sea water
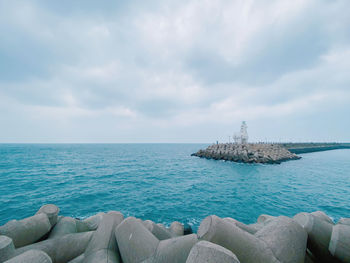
163	183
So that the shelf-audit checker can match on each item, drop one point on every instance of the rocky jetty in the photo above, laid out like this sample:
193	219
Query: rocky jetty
247	153
109	237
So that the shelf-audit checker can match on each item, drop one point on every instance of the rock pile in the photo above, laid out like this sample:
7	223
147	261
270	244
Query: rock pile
109	237
247	153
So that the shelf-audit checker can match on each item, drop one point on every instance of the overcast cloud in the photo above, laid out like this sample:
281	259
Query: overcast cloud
174	71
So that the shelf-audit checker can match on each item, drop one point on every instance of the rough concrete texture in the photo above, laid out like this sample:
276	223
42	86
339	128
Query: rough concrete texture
61	249
344	221
286	238
64	226
31	256
93	221
136	243
158	230
78	259
205	251
321	215
244	245
176	228
103	245
174	250
6	248
51	211
339	245
319	235
252	229
265	219
26	231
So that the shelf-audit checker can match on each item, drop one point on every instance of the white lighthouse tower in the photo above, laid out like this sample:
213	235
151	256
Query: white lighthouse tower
242	137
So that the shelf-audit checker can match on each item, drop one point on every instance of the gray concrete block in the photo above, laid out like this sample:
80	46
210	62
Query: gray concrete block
319	235
51	211
339	245
136	243
64	226
286	238
265	219
323	216
344	221
158	230
103	245
26	231
93	221
7	249
78	259
205	251
31	256
252	229
61	249
244	245
174	250
176	228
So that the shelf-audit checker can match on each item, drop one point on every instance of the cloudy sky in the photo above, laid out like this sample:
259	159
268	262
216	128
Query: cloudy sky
174	71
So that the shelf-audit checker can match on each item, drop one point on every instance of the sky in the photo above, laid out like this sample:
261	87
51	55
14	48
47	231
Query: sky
88	71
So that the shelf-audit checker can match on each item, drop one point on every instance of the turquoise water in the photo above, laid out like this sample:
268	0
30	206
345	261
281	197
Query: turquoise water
163	183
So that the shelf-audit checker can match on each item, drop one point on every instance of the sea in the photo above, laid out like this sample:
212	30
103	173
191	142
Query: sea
164	183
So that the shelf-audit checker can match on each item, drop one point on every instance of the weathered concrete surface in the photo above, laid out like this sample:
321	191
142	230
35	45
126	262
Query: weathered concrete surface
252	229
26	231
136	243
339	245
286	238
205	251
65	225
344	221
158	230
319	235
91	223
173	250
176	228
78	259
244	245
322	215
103	245
51	211
247	153
7	249
61	249
31	256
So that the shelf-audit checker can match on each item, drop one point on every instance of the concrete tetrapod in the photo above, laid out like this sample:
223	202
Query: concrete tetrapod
159	231
286	238
176	228
66	225
244	245
103	246
344	221
339	245
323	216
205	251
78	259
61	249
136	243
51	211
6	248
31	256
26	231
265	219
92	222
319	235
173	250
252	229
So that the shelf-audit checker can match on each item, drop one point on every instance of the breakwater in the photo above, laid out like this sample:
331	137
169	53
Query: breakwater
247	153
109	237
299	148
273	153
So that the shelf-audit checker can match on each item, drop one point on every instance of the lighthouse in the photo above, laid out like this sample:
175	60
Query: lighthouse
242	137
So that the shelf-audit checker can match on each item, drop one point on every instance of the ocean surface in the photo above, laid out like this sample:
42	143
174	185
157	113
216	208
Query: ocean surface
163	183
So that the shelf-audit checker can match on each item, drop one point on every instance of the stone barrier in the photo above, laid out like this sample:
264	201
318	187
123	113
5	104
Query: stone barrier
108	237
